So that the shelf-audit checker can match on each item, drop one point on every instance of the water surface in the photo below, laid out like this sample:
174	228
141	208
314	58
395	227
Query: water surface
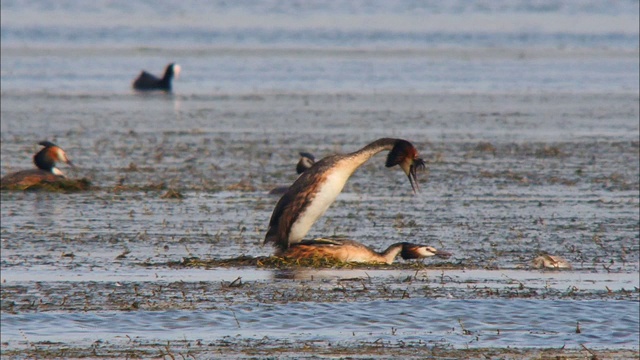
525	112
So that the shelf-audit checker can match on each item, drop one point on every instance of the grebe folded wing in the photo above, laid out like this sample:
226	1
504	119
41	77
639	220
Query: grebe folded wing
290	206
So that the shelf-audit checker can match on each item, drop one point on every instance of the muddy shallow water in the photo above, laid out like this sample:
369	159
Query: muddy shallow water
527	118
99	272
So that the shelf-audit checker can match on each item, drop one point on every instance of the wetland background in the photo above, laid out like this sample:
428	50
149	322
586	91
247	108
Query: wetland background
526	113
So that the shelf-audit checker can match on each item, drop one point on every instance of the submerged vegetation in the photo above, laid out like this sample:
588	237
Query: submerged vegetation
277	349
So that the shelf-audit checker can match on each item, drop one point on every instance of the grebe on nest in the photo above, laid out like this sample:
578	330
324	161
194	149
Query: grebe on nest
305	162
353	251
46	172
147	81
317	188
546	261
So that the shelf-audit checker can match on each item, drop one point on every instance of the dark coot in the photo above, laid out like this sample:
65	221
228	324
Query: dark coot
148	81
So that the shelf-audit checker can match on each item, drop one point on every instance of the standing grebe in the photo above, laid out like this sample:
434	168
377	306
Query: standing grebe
47	171
305	162
317	188
148	81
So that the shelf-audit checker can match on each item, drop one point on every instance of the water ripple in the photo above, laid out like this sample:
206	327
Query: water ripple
481	323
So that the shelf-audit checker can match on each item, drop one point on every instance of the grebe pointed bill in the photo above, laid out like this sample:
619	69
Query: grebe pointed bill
317	188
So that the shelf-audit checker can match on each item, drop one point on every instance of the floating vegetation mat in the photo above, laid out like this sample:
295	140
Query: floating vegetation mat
275	262
64	186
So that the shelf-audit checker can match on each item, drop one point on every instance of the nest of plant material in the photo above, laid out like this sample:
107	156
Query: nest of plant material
276	262
62	185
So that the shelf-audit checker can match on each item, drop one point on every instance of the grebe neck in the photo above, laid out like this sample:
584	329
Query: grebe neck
43	161
357	158
56	171
389	255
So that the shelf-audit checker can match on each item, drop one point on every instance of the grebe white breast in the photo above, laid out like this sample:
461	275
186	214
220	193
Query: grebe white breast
317	188
147	81
306	161
45	161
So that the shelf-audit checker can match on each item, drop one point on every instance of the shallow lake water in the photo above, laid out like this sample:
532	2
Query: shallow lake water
526	115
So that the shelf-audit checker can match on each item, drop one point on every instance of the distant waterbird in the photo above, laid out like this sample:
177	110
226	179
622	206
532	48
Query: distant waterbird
146	81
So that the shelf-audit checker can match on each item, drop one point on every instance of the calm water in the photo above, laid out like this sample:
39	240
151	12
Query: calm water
226	47
494	323
551	86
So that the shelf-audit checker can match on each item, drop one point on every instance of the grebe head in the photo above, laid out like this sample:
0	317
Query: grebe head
173	70
47	158
306	161
413	251
406	155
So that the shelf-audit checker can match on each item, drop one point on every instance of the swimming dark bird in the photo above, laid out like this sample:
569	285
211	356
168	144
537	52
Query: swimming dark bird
353	251
317	188
147	81
305	162
46	171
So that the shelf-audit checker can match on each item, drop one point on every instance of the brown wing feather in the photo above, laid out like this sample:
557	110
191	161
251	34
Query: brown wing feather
286	212
341	250
294	201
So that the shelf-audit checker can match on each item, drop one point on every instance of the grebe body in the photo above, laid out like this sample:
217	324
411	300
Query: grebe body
45	161
353	251
547	261
146	81
317	188
306	161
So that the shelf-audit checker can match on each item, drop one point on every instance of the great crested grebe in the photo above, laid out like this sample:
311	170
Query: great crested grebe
45	160
353	251
317	188
546	261
305	162
146	81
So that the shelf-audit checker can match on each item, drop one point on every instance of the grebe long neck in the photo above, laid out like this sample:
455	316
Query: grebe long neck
170	72
47	157
44	161
358	158
390	254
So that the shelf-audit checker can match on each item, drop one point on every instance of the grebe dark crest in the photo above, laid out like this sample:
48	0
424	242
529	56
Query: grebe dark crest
317	188
147	81
45	160
306	161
